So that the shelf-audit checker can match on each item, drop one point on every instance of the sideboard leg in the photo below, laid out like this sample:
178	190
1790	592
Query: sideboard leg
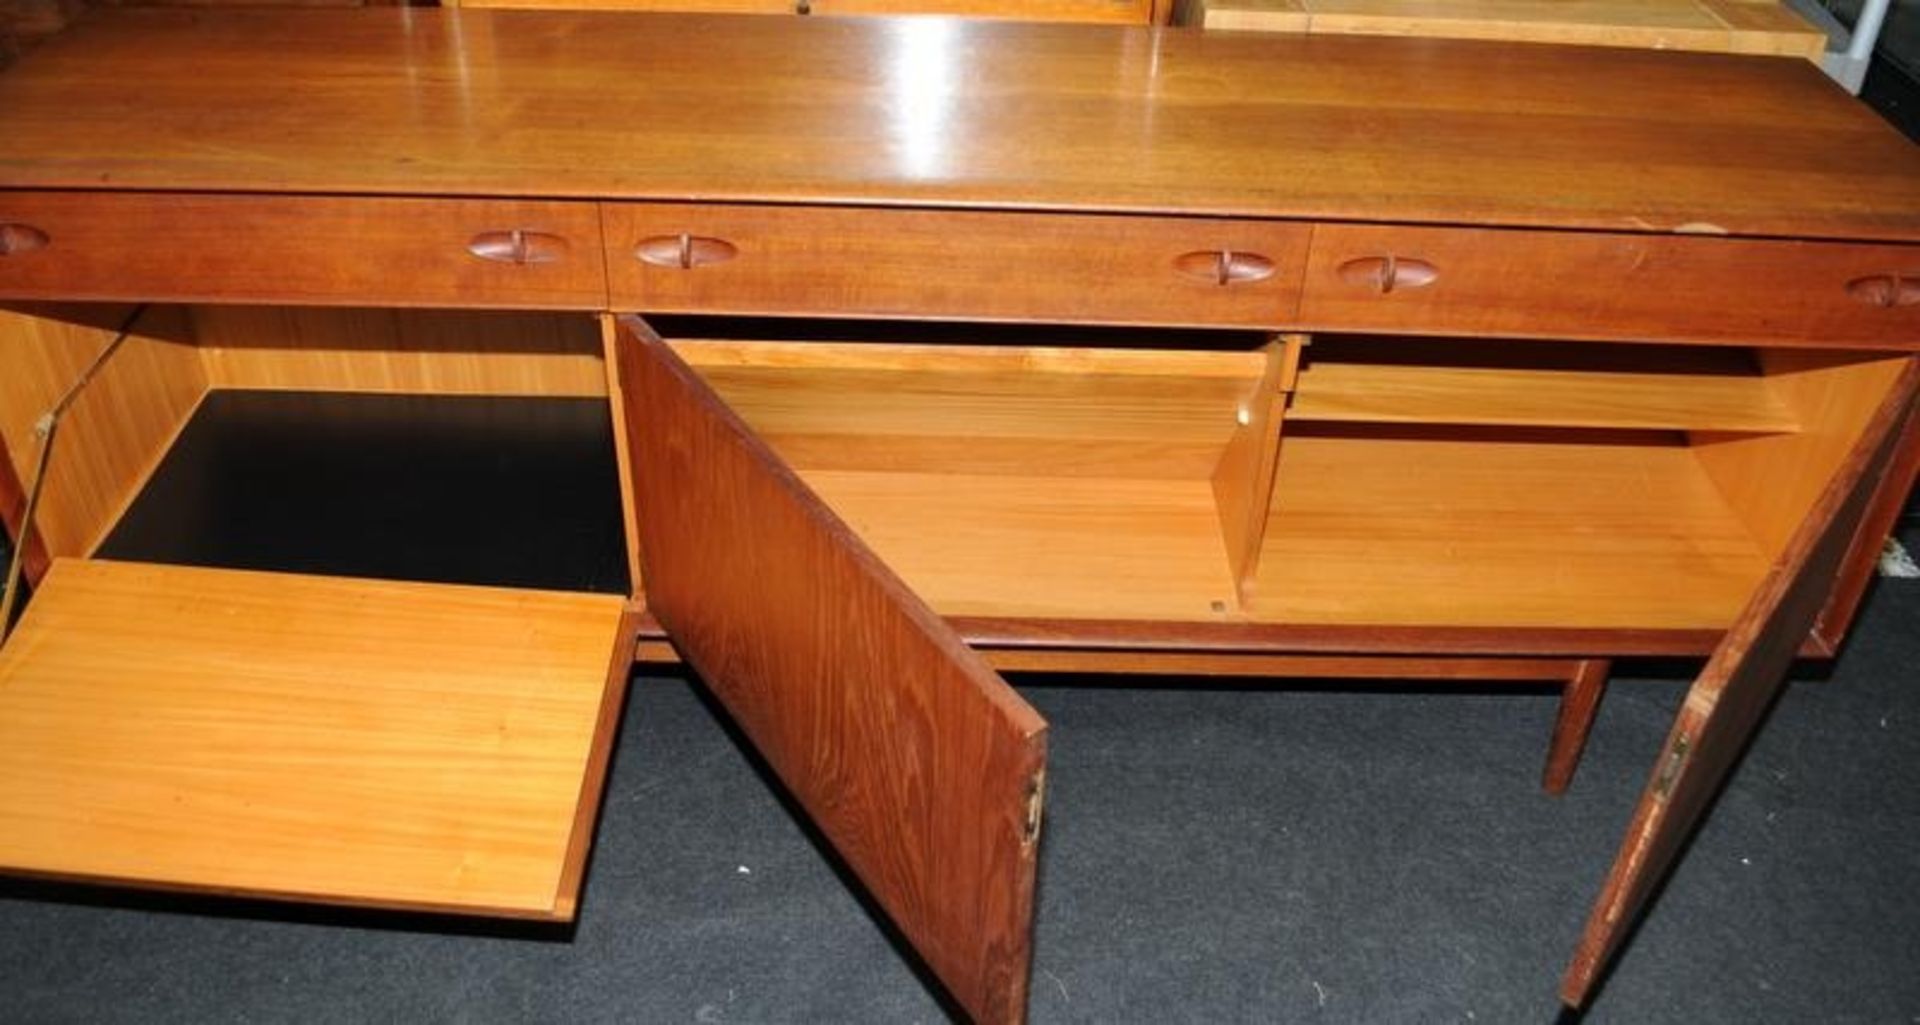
1578	702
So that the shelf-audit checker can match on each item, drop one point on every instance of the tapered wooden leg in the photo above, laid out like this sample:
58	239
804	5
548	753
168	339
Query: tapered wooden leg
1578	702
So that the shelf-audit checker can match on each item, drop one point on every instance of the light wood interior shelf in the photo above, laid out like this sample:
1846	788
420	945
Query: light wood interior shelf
1370	380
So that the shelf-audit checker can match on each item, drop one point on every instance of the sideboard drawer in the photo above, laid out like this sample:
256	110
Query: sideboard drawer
1120	12
300	249
674	258
1610	286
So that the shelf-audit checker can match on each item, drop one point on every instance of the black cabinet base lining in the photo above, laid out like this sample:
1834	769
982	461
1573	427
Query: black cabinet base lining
508	491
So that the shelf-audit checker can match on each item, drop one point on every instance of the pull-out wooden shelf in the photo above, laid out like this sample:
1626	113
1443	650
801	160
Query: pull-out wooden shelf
359	741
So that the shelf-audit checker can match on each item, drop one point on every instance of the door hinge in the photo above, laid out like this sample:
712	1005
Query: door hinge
1670	768
1036	797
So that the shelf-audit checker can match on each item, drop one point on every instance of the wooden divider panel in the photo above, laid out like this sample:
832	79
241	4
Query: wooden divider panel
115	430
920	765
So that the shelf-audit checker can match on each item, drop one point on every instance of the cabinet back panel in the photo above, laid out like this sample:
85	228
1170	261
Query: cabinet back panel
509	491
436	352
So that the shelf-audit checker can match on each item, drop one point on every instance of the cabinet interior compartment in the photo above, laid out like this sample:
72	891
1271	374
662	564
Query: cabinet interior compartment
1001	471
1549	484
208	692
438	446
1056	473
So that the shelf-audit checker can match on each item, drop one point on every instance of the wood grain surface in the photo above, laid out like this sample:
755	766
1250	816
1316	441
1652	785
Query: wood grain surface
1863	559
920	765
294	249
951	112
13	508
1006	411
1732	694
1384	381
1501	530
1116	12
1611	286
383	349
302	737
1772	480
116	429
1088	469
1243	479
970	265
1579	703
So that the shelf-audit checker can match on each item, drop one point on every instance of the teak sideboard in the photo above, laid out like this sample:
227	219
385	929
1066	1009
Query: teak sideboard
379	385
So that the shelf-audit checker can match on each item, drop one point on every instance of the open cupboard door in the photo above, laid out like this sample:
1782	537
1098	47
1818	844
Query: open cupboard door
921	765
1737	686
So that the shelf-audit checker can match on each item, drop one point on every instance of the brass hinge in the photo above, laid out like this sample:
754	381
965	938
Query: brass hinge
1036	796
1670	769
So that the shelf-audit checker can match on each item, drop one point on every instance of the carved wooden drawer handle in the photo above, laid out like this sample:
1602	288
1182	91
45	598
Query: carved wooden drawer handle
1886	289
684	251
1223	266
1383	274
21	238
518	247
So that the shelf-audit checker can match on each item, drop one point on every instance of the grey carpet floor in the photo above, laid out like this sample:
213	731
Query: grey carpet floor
1212	854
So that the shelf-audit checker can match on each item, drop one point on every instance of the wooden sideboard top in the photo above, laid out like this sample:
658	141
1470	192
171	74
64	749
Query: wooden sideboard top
940	112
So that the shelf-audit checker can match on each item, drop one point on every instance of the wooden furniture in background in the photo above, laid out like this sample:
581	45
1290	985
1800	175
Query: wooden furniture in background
1712	26
1139	367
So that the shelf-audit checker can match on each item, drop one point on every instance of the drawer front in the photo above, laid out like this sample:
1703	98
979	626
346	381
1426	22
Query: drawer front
1610	286
1123	12
414	252
674	258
